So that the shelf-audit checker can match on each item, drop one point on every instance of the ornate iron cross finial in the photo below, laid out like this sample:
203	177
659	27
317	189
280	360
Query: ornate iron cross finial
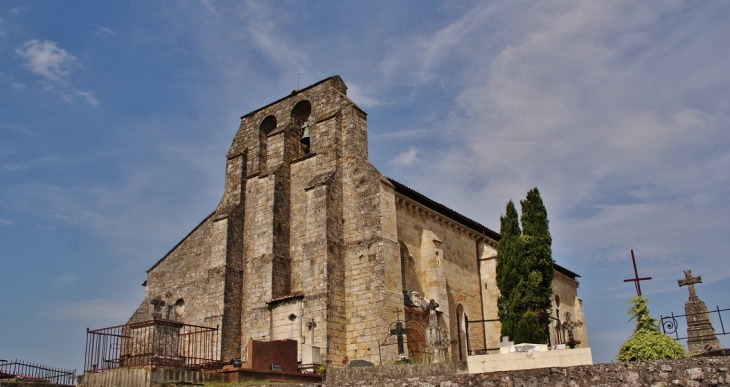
636	278
569	326
690	282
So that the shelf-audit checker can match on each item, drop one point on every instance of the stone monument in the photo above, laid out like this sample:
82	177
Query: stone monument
700	333
436	339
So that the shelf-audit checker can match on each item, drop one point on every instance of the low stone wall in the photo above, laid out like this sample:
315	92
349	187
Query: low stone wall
146	377
366	375
695	372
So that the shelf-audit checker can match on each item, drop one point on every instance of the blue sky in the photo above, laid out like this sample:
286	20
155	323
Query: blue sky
115	119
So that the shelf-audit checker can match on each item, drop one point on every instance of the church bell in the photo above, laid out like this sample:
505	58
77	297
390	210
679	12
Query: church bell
305	136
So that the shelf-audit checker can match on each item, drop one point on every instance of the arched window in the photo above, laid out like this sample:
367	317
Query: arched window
300	114
179	308
267	125
404	255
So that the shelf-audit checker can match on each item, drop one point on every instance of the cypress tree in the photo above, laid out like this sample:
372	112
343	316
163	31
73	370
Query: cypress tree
509	267
525	270
538	254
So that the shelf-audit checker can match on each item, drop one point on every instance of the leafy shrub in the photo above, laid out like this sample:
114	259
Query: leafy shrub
647	342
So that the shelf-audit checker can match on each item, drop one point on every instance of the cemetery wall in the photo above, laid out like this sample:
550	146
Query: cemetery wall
693	372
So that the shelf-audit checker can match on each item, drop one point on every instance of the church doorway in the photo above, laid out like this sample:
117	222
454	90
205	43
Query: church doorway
416	342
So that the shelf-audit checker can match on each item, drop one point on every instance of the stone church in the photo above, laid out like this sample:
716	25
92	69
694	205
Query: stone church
311	243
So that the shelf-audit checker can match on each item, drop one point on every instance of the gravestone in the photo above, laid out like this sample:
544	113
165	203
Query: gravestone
700	333
505	342
437	339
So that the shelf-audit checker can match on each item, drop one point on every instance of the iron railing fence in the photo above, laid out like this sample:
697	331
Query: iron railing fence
670	326
56	377
153	342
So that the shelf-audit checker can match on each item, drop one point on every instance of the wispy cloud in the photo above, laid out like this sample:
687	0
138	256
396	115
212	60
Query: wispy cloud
573	97
6	222
406	159
105	30
15	128
88	96
48	60
17	10
54	65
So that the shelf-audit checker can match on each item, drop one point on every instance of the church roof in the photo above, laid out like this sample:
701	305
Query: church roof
443	210
463	220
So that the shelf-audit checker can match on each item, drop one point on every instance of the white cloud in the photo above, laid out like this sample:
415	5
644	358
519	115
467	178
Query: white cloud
407	158
618	118
48	60
105	30
88	96
17	10
55	65
362	97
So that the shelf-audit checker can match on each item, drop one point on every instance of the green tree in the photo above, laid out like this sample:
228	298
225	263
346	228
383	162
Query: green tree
525	270
647	342
529	330
537	245
509	266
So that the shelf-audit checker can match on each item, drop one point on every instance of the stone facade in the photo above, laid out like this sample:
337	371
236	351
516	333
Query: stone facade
311	243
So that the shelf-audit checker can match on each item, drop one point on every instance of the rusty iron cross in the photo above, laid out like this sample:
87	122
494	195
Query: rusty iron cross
690	282
569	326
636	278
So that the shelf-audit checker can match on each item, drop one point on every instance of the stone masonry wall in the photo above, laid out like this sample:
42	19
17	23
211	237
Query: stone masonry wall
567	290
193	274
444	257
694	372
304	244
294	214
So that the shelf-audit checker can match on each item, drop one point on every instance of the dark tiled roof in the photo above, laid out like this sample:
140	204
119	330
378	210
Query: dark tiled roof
463	220
445	211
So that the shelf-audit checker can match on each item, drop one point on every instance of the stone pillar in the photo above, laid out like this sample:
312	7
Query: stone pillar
700	333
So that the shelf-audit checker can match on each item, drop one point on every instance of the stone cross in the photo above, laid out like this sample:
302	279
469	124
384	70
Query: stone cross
700	333
505	342
158	304
690	282
636	278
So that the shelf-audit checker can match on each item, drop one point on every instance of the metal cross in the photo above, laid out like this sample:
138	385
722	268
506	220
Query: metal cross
397	313
690	282
568	326
398	332
636	278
